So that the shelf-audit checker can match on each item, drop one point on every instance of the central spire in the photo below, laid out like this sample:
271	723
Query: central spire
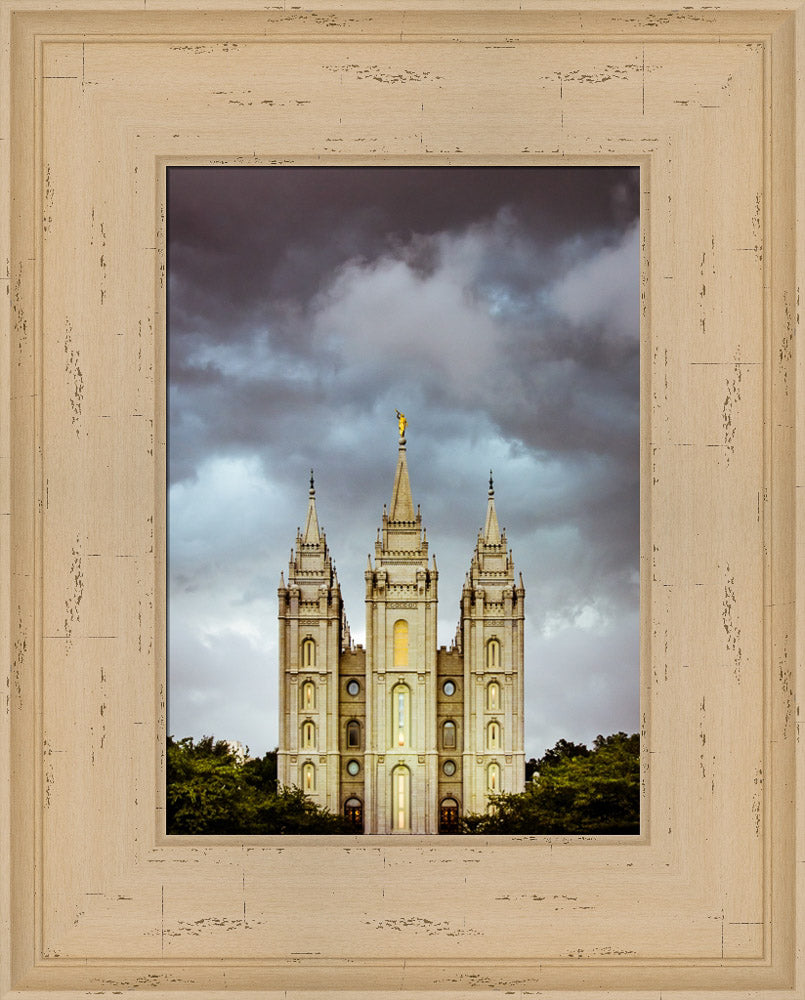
402	504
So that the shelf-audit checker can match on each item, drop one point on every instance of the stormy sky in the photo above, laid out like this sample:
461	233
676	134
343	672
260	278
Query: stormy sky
498	309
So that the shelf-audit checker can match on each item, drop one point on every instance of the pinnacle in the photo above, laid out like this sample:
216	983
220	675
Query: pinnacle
402	504
491	528
311	535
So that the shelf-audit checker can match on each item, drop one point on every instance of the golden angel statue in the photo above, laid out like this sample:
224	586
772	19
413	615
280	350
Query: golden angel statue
401	422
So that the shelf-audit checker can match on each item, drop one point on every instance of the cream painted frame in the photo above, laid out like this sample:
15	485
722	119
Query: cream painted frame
95	101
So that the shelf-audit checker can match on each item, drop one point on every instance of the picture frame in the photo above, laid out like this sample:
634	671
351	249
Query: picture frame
95	102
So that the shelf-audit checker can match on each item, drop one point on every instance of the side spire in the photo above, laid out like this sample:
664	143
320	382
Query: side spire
402	504
491	528
311	535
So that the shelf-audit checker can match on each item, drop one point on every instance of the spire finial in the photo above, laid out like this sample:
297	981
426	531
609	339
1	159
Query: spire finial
312	487
491	485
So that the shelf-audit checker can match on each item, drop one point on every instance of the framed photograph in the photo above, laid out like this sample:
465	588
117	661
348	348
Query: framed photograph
97	105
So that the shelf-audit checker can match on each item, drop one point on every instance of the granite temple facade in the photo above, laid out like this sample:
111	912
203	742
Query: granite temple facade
400	735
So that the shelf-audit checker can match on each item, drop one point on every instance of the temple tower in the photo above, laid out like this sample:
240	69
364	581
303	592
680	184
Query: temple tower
491	627
401	611
312	631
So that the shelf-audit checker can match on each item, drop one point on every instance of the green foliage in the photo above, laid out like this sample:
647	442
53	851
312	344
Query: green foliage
575	791
289	810
211	791
564	750
261	772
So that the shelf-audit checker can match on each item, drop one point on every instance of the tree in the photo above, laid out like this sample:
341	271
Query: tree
261	772
564	750
289	810
575	791
211	791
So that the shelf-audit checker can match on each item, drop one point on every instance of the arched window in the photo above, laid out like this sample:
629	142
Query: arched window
400	716
493	655
308	696
400	798
493	736
308	777
308	653
401	643
448	816
493	696
449	735
308	735
353	735
353	810
493	777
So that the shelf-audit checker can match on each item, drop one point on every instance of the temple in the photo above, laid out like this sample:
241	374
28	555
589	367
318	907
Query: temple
400	735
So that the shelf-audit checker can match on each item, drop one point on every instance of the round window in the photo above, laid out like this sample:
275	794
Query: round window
353	767
449	767
449	688
353	687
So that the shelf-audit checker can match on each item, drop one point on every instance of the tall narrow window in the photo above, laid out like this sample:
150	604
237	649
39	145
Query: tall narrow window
353	735
449	735
400	711
308	777
493	654
493	777
308	696
400	798
308	653
308	735
401	643
493	696
493	736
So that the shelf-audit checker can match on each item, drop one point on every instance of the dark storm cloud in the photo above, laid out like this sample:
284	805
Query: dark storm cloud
242	252
498	308
228	282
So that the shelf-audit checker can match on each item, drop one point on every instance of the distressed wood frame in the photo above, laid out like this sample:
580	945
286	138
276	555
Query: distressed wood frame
96	99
